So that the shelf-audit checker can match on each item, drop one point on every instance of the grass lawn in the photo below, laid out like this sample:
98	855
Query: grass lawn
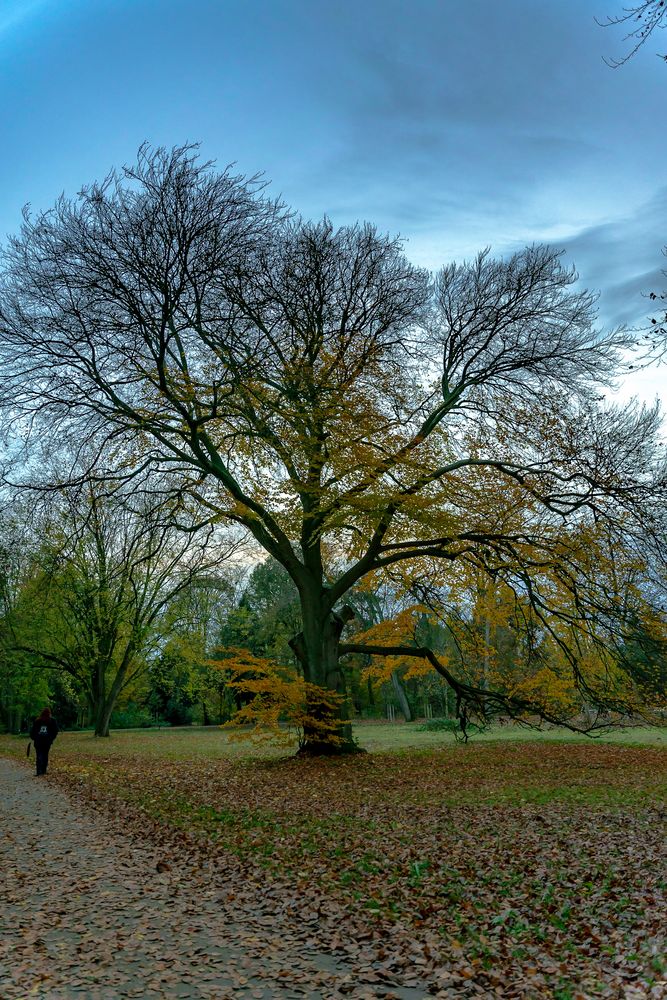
188	742
527	863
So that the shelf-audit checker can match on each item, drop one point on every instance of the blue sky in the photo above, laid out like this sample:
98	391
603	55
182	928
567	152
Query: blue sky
457	123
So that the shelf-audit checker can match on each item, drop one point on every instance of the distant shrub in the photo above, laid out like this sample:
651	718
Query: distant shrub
131	717
178	713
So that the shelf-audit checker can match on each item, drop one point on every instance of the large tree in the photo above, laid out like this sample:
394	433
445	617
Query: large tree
348	409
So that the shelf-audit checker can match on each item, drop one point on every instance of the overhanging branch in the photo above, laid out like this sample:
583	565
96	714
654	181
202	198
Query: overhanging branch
468	697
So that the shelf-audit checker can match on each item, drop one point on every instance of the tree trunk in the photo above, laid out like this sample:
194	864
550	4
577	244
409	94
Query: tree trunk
105	703
487	644
399	691
327	729
103	717
15	720
101	708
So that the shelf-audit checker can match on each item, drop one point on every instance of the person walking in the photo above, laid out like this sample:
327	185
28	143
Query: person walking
43	733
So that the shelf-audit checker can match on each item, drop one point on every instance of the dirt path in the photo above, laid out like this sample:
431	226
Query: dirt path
88	913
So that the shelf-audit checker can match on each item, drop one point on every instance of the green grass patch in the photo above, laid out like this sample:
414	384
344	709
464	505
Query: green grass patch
195	742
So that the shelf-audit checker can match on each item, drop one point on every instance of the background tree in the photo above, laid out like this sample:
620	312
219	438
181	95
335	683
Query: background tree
352	413
266	615
183	680
107	572
22	692
373	606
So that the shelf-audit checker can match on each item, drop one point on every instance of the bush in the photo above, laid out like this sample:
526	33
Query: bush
177	713
131	717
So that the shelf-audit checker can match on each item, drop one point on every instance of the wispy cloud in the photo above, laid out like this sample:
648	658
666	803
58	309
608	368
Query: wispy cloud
624	259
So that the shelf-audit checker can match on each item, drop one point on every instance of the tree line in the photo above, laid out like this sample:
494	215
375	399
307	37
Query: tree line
102	617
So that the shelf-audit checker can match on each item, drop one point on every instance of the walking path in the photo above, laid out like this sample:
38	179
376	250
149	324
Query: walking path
88	913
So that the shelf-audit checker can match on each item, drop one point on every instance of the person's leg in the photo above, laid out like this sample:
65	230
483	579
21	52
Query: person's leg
46	757
40	759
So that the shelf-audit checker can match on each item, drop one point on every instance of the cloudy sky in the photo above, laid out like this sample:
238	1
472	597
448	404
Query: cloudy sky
456	123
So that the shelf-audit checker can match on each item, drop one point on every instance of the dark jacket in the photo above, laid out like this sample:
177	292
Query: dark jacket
44	732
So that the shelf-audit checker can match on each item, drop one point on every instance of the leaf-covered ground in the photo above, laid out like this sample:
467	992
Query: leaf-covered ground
499	869
89	911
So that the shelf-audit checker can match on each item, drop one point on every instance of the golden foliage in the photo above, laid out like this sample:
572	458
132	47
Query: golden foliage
549	690
397	631
282	704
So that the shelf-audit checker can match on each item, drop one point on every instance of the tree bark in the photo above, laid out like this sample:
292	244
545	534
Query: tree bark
327	729
399	691
103	717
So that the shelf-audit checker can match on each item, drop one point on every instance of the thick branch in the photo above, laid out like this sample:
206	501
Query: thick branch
481	701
